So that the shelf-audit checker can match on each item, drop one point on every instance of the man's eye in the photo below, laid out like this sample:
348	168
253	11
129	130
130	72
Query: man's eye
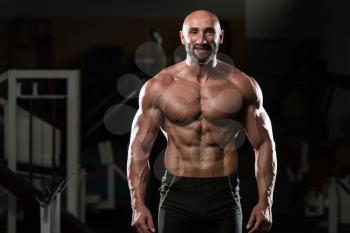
211	31
193	31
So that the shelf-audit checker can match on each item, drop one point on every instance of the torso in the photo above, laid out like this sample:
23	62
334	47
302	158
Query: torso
200	120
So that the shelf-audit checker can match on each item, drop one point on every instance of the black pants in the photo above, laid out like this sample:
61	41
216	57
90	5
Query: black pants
206	205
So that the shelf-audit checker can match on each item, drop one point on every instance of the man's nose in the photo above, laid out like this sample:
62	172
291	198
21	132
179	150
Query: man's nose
201	38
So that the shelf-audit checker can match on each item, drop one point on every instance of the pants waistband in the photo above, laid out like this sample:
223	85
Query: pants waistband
168	177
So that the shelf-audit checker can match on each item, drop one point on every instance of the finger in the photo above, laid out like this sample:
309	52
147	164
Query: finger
257	227
144	225
138	229
253	230
251	220
150	224
140	226
146	229
268	227
264	227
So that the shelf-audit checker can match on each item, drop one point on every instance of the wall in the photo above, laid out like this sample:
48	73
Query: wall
284	21
274	28
336	35
287	21
282	18
114	8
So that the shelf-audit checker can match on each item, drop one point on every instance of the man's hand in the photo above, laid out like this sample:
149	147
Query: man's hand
142	220
260	219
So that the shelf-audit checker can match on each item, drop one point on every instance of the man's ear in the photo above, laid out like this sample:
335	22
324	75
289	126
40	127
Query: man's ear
221	39
182	37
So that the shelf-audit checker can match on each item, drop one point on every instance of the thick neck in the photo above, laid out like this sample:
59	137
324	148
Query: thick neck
198	70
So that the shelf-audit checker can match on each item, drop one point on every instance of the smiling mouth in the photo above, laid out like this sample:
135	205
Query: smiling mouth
202	49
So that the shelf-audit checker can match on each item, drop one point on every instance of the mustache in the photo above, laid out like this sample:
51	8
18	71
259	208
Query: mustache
202	46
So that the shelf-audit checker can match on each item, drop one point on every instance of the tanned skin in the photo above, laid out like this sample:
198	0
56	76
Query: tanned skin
200	105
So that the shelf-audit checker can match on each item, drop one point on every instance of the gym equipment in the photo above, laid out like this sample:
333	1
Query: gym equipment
33	198
42	149
332	201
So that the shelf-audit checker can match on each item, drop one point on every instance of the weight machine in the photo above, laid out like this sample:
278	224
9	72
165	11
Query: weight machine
22	145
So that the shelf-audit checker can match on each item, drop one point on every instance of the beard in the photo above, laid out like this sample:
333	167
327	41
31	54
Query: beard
201	53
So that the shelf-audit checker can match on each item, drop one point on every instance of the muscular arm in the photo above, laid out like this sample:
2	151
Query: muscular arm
143	133
259	133
144	130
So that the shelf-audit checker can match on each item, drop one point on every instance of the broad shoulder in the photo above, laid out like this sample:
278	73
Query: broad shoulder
247	86
164	78
155	86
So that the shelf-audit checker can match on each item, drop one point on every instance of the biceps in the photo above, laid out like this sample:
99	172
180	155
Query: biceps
258	127
144	130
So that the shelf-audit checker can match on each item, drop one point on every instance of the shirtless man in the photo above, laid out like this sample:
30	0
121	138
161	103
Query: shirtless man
201	105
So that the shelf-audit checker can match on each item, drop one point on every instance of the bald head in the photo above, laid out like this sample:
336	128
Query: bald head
201	15
201	34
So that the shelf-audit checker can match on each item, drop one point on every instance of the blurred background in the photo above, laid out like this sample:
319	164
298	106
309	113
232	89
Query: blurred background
70	75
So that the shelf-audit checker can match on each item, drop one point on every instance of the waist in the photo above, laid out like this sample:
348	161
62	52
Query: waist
169	178
201	165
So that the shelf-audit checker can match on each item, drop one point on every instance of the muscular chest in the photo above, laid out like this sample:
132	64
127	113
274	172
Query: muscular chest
183	102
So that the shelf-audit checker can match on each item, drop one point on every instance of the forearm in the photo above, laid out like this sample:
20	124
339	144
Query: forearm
265	172
138	174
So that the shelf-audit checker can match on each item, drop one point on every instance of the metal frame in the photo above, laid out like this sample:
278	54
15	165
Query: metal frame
50	218
74	193
331	202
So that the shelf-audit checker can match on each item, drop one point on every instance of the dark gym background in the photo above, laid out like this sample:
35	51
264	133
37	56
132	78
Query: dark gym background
298	51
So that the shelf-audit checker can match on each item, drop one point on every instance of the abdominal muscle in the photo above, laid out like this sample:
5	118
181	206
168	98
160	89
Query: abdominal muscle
200	160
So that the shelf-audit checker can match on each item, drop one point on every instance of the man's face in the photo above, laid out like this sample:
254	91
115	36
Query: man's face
201	37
